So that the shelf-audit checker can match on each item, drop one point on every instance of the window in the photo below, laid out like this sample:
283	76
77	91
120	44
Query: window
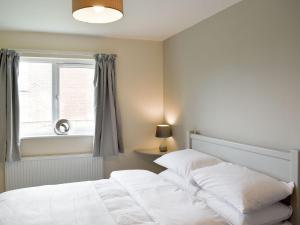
56	89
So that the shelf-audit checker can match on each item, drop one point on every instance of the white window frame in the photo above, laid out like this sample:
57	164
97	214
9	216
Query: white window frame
58	63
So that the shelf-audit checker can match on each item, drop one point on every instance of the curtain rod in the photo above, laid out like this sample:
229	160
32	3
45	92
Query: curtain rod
56	53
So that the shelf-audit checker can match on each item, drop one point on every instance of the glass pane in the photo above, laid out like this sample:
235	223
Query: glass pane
76	98
35	89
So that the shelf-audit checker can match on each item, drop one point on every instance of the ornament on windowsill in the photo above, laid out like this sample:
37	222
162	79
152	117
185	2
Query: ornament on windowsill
62	127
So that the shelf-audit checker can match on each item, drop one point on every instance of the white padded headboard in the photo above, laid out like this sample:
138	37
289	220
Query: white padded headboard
283	165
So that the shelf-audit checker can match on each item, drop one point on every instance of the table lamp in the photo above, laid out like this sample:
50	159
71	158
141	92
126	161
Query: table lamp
163	131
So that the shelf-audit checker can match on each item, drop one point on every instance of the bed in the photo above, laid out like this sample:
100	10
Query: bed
141	197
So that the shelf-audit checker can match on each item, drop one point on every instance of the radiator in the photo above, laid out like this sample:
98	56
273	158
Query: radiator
36	171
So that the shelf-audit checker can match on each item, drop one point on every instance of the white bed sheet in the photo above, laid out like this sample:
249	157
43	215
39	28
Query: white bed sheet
128	198
66	204
166	203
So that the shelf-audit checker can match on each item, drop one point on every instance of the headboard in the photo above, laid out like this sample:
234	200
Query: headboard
283	165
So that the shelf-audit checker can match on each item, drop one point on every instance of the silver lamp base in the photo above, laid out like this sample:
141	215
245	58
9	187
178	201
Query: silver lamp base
163	148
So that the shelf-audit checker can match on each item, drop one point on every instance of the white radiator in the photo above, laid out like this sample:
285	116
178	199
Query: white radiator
36	171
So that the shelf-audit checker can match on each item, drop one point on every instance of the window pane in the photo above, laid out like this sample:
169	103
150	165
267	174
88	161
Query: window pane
35	88
76	98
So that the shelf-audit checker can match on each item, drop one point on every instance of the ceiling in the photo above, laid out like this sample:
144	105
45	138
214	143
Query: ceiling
144	19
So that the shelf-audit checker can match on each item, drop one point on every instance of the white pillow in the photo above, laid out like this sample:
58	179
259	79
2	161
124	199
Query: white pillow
243	188
267	216
186	184
184	161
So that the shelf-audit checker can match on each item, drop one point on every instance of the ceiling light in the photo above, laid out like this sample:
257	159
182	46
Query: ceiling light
98	11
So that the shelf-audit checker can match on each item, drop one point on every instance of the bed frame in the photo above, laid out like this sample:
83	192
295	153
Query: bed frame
283	165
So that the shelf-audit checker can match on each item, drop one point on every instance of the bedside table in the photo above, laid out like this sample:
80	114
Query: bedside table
151	151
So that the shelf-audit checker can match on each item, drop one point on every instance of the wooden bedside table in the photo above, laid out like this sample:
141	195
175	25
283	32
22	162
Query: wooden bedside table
151	151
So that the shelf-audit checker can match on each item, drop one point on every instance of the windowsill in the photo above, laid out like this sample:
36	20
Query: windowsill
76	155
57	136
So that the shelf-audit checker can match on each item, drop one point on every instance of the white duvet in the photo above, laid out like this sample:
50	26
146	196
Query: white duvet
134	197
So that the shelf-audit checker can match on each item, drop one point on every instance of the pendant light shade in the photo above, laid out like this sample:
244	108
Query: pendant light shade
98	11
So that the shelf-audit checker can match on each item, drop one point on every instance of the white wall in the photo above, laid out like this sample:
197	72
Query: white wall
236	75
140	87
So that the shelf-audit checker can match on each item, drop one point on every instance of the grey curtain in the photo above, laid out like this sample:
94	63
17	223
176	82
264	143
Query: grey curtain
108	132
9	106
